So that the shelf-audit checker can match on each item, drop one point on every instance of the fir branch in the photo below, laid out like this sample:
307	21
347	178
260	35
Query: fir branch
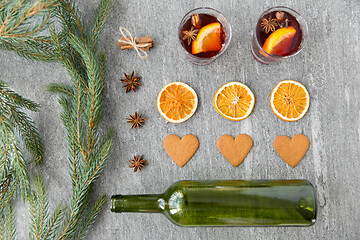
87	223
7	193
32	49
11	103
21	24
39	210
33	211
75	48
20	169
61	89
14	98
7	228
42	205
102	62
102	153
6	199
93	106
82	115
54	223
102	13
29	134
69	123
70	18
13	162
13	168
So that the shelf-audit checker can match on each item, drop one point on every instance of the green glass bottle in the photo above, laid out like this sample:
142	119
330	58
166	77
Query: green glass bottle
229	203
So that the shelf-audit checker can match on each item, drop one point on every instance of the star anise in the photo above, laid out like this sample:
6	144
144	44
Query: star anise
268	24
190	35
131	82
136	120
138	163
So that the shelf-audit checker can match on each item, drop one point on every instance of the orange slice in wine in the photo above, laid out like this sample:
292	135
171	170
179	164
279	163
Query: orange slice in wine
177	102
208	39
280	41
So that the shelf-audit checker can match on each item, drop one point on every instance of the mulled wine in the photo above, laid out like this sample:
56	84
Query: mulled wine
204	33
281	28
280	32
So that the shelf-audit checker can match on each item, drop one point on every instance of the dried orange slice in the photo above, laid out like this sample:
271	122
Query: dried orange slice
208	39
234	101
279	42
290	100
177	102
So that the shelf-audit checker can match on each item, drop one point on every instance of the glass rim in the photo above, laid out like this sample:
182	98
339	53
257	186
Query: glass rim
222	50
304	29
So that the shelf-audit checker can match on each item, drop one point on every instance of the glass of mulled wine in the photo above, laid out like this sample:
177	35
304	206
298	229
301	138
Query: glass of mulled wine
280	33
204	33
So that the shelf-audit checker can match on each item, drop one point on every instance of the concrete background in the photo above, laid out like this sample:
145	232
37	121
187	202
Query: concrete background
328	67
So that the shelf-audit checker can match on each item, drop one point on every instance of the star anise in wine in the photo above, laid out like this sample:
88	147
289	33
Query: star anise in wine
131	82
268	24
190	35
136	120
138	163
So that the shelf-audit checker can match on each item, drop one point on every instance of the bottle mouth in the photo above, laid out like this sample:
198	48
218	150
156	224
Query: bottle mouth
136	203
116	203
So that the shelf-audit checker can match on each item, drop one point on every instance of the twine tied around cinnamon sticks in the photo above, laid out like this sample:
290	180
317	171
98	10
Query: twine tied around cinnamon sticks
140	44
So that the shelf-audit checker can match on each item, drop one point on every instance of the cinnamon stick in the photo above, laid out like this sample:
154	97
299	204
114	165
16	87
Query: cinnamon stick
146	41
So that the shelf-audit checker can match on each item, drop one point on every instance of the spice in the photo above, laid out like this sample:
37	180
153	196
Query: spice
144	43
268	24
136	120
131	82
190	35
286	23
195	20
279	16
138	163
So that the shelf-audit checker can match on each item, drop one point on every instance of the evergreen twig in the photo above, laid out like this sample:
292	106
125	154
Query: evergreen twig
101	15
11	103
7	226
39	209
21	24
13	168
88	221
76	49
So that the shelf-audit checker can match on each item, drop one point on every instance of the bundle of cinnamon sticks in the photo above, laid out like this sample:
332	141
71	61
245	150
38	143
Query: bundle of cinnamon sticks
144	43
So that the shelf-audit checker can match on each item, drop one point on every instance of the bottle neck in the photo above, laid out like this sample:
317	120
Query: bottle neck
137	203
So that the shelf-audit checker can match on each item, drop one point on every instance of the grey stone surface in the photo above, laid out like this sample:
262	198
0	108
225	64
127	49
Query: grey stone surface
328	67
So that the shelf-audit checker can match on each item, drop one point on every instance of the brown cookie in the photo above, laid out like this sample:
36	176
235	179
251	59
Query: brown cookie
181	149
235	150
292	150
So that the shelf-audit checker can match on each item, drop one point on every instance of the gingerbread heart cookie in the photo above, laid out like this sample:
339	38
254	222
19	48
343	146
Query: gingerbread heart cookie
235	150
292	150
181	149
